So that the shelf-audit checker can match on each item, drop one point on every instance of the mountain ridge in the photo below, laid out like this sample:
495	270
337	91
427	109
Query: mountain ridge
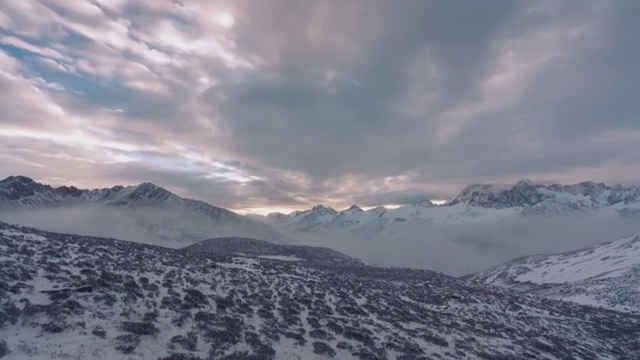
529	197
20	192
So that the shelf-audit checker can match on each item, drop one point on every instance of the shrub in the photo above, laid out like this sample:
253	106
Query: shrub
4	349
323	349
139	328
127	343
189	342
54	327
99	332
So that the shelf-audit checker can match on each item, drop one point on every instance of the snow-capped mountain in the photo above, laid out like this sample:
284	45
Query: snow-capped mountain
476	203
74	297
527	194
307	219
606	275
151	212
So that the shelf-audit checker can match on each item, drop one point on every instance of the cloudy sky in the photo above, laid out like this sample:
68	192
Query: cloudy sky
257	105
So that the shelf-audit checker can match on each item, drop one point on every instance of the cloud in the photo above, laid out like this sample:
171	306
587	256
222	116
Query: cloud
280	104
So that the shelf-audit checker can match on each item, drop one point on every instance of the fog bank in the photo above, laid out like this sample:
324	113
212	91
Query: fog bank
452	249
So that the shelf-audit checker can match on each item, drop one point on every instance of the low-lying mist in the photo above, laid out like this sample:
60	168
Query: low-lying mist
469	248
92	220
451	249
144	225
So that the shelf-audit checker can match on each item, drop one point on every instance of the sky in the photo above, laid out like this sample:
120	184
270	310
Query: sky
278	105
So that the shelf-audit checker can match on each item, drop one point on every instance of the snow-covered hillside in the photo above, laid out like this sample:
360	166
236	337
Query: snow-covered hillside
605	275
144	212
74	297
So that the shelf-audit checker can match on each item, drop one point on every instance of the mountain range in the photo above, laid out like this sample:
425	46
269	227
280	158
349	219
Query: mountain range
523	198
155	214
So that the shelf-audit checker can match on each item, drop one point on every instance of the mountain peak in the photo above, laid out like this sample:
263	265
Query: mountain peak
378	210
354	208
297	212
18	187
17	179
482	195
144	191
318	207
148	186
524	182
424	201
322	209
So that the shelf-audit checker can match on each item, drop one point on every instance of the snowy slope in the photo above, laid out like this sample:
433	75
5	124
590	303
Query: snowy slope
605	275
145	212
66	296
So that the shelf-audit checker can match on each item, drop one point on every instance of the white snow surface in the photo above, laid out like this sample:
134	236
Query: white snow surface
598	262
605	275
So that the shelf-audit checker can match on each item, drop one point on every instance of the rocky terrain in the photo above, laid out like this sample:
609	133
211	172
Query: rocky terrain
74	297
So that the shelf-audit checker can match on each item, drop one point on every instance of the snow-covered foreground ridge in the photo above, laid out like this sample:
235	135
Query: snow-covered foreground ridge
605	275
123	300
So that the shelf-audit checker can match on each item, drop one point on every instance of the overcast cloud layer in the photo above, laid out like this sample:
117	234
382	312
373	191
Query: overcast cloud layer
284	104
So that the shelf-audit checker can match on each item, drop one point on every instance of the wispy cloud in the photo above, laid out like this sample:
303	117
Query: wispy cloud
279	104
